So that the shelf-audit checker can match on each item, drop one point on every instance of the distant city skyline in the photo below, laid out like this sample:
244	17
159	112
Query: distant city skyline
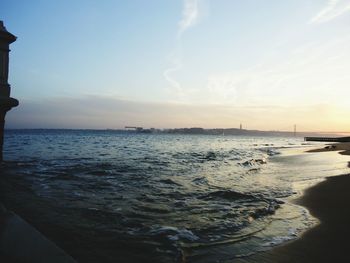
170	64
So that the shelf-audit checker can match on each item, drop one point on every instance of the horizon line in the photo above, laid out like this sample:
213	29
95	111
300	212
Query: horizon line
164	129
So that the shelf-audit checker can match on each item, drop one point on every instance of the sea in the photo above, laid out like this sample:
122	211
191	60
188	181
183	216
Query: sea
111	196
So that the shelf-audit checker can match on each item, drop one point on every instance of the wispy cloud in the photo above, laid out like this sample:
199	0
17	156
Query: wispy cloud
332	10
176	60
305	75
190	15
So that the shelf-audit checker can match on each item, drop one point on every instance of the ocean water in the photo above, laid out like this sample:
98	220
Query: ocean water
107	196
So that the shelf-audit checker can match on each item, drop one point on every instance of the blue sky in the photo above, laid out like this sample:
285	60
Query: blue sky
176	63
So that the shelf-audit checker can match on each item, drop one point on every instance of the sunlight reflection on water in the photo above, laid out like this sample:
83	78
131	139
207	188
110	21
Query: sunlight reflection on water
212	197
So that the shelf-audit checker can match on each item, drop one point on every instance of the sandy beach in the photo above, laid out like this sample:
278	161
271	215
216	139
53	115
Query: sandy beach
329	202
343	148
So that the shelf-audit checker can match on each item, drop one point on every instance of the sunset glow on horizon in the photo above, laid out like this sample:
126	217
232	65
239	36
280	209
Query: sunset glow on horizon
170	64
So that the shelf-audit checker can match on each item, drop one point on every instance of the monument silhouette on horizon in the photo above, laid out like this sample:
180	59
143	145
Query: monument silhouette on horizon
6	102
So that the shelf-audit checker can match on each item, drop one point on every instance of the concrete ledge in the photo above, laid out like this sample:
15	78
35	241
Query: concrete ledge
20	242
327	139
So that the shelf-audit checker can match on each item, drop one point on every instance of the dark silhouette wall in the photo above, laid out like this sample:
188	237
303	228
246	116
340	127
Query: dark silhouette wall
6	102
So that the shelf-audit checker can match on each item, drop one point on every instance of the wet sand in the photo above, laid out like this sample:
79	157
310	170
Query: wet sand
329	201
343	148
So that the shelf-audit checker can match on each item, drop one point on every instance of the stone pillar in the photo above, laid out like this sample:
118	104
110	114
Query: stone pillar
6	102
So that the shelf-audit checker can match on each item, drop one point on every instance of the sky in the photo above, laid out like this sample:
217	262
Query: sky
180	63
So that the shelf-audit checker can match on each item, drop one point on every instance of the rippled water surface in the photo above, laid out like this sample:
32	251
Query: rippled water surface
105	195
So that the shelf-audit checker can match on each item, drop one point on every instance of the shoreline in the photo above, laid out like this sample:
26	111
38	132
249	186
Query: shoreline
306	248
329	202
343	148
